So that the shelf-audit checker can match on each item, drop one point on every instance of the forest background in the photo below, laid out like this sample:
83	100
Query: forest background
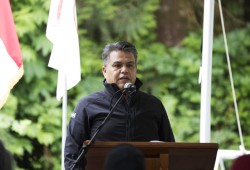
168	37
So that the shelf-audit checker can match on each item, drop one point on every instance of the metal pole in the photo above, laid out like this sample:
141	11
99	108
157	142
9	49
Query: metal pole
207	44
64	120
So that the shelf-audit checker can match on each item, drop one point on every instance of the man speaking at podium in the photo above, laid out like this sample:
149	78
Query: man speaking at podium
137	117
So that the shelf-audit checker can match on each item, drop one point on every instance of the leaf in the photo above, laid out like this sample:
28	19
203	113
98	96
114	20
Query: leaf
45	138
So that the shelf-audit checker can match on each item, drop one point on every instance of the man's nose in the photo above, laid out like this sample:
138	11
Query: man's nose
124	69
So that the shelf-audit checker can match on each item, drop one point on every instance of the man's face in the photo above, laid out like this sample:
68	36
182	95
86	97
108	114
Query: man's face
120	68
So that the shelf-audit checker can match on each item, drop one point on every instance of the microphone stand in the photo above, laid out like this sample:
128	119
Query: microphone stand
85	147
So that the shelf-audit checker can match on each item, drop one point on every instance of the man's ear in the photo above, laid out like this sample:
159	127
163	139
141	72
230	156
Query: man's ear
104	71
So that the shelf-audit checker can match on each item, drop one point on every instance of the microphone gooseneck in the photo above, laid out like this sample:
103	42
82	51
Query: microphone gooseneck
128	87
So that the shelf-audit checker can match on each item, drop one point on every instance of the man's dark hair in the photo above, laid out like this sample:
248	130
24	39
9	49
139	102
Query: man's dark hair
5	158
118	46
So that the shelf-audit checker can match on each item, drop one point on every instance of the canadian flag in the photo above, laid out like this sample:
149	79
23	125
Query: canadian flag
65	55
11	63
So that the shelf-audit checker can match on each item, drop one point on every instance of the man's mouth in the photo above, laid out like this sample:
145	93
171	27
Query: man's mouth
124	78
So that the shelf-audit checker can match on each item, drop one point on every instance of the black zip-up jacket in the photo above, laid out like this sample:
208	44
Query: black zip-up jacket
141	117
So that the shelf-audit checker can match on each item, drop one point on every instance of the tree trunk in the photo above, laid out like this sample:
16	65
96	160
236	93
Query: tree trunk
175	19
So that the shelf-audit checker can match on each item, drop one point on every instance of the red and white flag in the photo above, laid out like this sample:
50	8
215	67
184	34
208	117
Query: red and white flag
65	55
11	63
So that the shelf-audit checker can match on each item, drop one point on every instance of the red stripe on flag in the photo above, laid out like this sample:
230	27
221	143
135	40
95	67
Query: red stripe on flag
59	9
8	33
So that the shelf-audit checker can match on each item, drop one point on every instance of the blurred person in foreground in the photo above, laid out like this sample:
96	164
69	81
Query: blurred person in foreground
138	117
5	158
241	163
124	157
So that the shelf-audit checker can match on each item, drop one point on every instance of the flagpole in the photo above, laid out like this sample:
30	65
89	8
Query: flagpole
207	45
65	56
64	120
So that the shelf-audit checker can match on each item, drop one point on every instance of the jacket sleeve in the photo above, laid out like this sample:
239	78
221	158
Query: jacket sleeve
77	133
165	132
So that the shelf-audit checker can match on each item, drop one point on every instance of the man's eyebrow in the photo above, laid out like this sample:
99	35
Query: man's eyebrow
118	62
131	62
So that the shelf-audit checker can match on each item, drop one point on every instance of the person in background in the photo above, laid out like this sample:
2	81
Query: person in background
138	117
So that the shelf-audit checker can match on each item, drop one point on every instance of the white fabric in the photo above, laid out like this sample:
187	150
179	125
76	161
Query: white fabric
8	70
65	56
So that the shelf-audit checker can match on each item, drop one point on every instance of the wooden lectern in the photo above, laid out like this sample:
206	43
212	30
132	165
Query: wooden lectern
160	155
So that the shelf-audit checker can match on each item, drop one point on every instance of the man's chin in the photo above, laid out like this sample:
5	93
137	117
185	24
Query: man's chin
121	84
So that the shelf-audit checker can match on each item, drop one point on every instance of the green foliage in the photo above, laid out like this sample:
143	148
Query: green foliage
31	119
112	20
222	99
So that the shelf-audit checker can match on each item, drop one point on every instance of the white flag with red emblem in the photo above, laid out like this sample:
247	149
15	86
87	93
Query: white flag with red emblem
11	63
65	55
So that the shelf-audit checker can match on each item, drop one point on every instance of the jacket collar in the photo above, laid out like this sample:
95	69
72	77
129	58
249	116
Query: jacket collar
112	87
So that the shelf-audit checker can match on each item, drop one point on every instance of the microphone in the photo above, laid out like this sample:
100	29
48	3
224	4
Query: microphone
129	87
